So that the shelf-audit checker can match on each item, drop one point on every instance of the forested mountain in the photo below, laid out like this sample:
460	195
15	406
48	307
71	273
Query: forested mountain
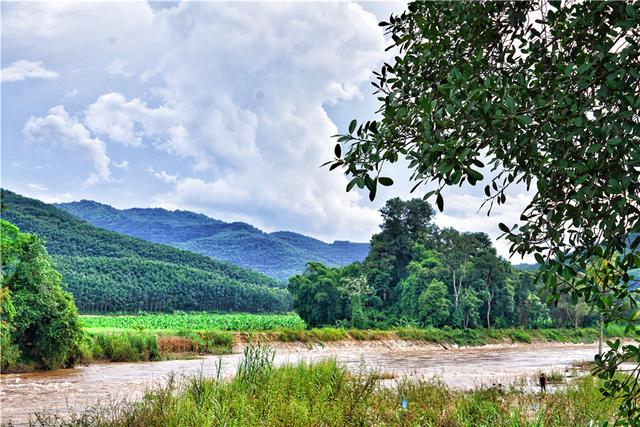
280	255
109	271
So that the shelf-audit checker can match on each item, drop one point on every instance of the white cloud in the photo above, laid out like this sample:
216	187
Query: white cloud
23	69
70	95
117	68
233	96
238	91
163	175
59	129
131	122
122	165
37	187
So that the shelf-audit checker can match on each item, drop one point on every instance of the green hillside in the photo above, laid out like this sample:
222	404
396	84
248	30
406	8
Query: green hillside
109	271
279	255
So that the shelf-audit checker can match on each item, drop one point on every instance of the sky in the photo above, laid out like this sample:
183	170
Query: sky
226	109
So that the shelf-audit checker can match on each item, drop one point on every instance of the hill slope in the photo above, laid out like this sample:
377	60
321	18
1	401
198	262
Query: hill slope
279	255
109	271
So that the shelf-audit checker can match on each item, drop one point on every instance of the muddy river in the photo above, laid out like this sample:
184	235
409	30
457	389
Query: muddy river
57	391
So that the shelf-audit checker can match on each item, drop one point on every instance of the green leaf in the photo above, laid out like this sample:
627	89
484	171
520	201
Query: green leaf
352	125
383	180
372	192
337	150
440	202
503	227
351	184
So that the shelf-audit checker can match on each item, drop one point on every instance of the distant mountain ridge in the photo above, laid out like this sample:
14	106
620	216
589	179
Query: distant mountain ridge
110	271
280	254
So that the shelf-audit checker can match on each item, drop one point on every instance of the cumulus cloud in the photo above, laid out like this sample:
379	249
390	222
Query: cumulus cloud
23	69
59	129
239	93
233	96
255	123
131	122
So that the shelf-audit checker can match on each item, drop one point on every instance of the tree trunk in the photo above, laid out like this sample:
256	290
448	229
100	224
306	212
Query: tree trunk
455	290
601	334
489	310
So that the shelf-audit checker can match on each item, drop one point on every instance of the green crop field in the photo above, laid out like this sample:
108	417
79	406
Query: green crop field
195	321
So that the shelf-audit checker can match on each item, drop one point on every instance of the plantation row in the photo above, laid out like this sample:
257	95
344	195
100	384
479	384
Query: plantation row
197	321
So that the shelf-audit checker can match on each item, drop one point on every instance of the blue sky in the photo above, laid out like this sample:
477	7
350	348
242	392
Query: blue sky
221	108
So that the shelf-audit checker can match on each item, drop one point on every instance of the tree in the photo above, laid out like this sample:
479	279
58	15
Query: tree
433	304
316	296
42	317
404	223
458	250
422	270
466	314
541	94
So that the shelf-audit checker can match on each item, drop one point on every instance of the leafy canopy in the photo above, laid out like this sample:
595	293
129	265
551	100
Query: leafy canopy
544	94
39	319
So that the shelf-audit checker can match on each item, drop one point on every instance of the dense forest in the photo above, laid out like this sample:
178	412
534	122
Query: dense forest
417	274
108	271
279	255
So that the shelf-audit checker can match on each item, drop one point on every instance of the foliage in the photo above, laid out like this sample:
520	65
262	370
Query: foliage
403	224
9	351
542	94
39	319
433	304
317	297
419	275
107	271
326	394
195	321
279	255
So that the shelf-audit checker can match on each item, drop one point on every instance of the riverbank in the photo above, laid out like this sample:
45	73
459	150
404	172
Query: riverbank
267	390
137	345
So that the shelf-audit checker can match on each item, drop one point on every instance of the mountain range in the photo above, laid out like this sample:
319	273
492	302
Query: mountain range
110	271
279	255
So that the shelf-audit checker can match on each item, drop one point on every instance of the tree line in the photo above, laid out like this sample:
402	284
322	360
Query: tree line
417	274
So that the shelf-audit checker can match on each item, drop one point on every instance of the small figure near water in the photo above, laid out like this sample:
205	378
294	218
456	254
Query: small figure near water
543	383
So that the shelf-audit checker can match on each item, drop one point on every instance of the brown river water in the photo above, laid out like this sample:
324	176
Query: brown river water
77	388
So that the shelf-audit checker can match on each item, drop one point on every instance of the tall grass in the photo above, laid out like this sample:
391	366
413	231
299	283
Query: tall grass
124	347
118	346
325	394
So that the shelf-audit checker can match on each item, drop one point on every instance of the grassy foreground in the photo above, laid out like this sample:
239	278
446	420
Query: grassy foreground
325	394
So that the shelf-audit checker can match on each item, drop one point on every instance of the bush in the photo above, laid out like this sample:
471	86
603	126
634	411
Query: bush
125	347
43	322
